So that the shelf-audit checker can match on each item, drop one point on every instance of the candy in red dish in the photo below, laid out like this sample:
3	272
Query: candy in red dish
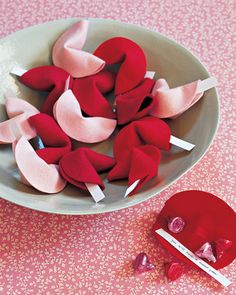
131	58
207	219
88	90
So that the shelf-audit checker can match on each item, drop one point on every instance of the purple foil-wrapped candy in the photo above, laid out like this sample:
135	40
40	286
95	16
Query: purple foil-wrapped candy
142	263
176	224
206	252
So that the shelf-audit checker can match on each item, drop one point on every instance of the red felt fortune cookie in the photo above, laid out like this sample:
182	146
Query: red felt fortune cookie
46	78
83	165
135	103
56	142
89	93
207	219
136	150
130	55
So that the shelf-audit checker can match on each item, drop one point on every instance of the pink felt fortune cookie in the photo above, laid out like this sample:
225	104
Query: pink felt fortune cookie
171	103
88	91
68	114
18	111
130	55
16	106
36	171
82	166
68	54
136	150
135	103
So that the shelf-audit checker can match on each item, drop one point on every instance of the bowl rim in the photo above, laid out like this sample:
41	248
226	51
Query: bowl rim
151	195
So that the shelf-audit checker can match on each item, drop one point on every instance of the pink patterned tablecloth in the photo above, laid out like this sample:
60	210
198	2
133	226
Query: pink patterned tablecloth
51	254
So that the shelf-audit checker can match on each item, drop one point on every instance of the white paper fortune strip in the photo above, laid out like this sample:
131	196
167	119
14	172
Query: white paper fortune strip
195	259
149	74
95	192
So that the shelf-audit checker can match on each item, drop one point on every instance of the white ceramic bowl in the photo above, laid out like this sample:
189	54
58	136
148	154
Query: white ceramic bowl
32	47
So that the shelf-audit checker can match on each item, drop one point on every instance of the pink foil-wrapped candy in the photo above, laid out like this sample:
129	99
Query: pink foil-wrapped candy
142	263
206	252
176	224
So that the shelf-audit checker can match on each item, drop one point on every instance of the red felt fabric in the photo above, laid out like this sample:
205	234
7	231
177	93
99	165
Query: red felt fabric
136	150
83	165
130	56
46	78
144	165
207	217
88	91
135	103
56	142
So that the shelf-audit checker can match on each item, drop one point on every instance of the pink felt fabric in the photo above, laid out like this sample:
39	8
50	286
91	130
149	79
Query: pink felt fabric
18	110
16	106
7	133
37	172
171	103
57	254
68	54
68	114
132	59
